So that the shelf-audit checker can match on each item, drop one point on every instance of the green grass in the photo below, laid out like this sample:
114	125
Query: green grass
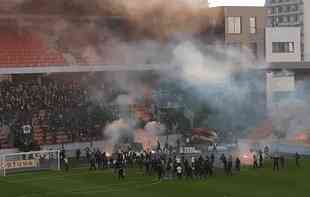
289	182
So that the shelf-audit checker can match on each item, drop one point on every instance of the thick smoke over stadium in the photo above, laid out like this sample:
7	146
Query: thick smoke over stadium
290	120
218	82
113	31
151	97
157	32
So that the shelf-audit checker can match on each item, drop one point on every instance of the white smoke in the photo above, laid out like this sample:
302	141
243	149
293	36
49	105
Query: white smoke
211	65
223	77
117	130
209	69
155	128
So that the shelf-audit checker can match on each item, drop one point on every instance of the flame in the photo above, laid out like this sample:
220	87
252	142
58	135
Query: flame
246	158
301	137
147	139
108	148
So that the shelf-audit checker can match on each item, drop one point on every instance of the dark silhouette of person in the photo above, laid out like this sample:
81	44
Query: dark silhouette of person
92	162
78	154
297	158
275	159
121	172
237	164
255	164
224	161
282	161
229	165
261	159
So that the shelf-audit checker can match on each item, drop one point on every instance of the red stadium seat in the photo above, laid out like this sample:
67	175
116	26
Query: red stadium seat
24	49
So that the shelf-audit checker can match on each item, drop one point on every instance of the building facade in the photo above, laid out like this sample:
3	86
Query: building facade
287	51
306	28
244	27
241	27
291	13
284	13
283	44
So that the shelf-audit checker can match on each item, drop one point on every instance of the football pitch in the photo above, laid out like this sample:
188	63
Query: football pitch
289	182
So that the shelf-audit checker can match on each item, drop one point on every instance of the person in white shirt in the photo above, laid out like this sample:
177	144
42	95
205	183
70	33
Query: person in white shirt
179	171
66	161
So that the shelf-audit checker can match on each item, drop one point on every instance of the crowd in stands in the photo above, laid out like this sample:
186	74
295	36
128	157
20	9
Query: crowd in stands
60	110
50	107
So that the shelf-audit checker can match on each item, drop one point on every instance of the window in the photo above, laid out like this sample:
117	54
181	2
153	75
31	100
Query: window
252	25
234	25
283	47
293	18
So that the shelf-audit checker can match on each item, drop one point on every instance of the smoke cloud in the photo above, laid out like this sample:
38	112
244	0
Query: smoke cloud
224	78
110	29
153	32
154	128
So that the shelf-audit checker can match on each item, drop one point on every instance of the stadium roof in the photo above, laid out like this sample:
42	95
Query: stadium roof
79	68
289	65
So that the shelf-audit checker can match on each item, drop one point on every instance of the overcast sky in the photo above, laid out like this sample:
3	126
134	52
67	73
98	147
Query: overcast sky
237	2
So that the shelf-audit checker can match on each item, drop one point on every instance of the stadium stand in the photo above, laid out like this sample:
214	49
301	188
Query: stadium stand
59	110
49	106
25	49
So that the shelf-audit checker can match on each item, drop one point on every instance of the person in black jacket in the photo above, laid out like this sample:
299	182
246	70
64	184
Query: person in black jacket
229	165
297	158
92	162
275	159
261	159
237	164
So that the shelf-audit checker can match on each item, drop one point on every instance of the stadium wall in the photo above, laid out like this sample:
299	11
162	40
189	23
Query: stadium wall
8	151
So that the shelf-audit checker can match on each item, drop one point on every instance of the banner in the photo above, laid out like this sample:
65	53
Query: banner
189	150
19	164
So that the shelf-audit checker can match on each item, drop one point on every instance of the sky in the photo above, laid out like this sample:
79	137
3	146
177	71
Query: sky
237	2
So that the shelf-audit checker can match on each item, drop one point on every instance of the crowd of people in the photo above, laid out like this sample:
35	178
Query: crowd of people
79	108
66	106
162	165
174	166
